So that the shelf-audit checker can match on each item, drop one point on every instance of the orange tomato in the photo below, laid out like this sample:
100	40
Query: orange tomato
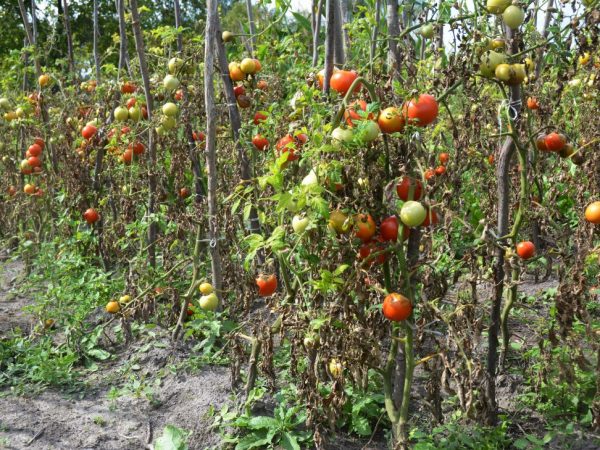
396	307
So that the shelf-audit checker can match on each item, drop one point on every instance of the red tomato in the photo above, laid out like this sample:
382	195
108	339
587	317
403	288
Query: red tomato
34	161
431	218
289	143
365	251
403	189
259	117
555	142
89	131
440	170
260	142
137	148
184	192
365	227
444	158
525	249
34	150
429	174
91	216
198	136
396	307
238	90
267	284
423	111
389	229
342	80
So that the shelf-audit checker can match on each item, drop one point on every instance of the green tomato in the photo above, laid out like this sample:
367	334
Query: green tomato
171	83
135	113
489	61
497	6
513	17
175	64
299	224
370	131
209	302
427	31
412	214
170	109
121	114
341	135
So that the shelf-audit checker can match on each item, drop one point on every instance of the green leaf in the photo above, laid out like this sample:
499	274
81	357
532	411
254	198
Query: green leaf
289	442
302	21
361	426
262	422
521	443
173	438
253	440
98	353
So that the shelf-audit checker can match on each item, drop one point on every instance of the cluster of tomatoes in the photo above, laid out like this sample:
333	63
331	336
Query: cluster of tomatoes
32	164
239	72
440	170
557	143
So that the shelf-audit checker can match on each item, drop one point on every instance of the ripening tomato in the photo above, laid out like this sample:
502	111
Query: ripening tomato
351	115
89	131
128	88
555	142
259	117
239	90
540	143
184	192
532	103
127	156
525	249
440	170
262	85
260	142
267	284
429	174
592	213
91	216
29	189
137	148
396	307
423	111
404	187
365	227
444	158
342	80
391	120
131	102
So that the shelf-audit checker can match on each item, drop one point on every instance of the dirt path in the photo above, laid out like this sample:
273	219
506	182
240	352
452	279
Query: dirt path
95	417
11	305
